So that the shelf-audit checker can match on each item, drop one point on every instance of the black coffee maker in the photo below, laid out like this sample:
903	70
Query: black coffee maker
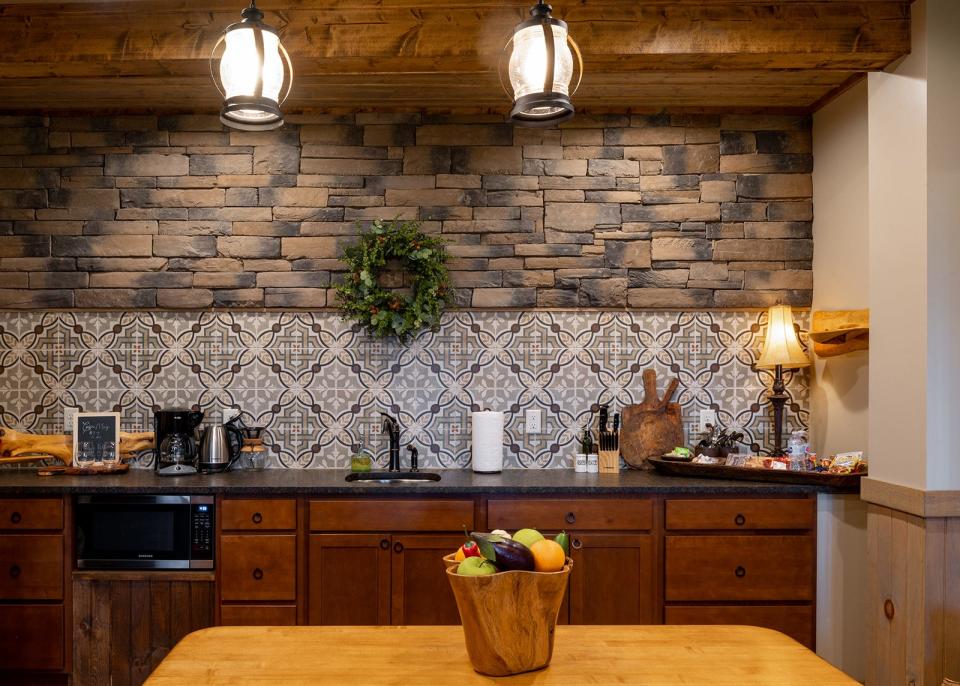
175	436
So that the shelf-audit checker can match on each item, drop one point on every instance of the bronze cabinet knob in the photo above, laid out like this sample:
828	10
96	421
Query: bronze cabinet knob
740	572
739	520
257	518
385	543
398	547
257	573
14	571
16	518
888	609
577	543
571	518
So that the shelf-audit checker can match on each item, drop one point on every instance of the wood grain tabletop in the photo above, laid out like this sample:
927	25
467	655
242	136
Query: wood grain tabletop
388	655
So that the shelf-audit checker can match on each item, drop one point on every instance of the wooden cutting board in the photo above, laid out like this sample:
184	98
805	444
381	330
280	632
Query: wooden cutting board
653	427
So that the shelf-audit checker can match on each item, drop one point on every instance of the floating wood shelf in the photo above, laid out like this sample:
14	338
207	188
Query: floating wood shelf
840	332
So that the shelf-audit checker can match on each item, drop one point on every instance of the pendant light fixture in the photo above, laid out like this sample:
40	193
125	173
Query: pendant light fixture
542	63
254	69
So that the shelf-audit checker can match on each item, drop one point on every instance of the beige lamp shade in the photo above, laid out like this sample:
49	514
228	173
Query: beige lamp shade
781	345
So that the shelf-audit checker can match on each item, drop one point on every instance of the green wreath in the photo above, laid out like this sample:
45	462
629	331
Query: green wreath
385	312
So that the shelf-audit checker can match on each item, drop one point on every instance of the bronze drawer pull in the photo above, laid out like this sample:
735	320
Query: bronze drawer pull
398	547
257	518
14	571
385	543
571	518
577	543
257	574
740	572
16	517
739	520
888	609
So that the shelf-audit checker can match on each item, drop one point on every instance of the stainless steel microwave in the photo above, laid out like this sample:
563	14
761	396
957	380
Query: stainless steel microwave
145	531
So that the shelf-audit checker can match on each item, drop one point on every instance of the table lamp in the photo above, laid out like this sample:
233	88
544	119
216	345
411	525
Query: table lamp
781	350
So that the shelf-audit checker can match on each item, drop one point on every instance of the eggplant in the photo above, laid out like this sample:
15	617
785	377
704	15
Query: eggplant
506	554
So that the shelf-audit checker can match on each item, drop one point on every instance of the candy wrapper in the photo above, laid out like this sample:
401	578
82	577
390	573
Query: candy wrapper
848	463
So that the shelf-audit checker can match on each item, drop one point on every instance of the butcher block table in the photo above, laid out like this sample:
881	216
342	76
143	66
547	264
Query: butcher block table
710	655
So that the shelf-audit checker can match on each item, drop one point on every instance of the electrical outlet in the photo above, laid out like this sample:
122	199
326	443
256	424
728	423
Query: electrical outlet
68	413
707	417
533	421
229	413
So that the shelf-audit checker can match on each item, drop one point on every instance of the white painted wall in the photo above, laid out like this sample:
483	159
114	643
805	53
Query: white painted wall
943	244
898	265
839	389
914	180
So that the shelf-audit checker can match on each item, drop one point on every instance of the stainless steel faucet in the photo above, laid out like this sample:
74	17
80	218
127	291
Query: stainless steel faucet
392	428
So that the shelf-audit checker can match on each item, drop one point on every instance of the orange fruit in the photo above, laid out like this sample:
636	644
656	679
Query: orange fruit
459	556
548	556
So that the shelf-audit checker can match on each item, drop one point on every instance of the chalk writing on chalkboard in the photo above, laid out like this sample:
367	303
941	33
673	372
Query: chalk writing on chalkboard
96	438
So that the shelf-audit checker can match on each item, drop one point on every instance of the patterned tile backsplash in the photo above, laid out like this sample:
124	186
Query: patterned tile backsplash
318	384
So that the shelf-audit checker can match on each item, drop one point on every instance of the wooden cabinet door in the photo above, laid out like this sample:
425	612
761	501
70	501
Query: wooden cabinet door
349	579
421	592
612	581
32	637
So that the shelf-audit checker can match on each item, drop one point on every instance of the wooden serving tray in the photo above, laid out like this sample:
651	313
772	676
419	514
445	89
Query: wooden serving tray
121	468
837	482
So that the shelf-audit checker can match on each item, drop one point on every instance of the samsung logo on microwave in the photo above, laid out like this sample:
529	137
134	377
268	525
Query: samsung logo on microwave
145	556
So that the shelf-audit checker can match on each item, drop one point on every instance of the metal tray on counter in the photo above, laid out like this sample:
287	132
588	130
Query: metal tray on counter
838	482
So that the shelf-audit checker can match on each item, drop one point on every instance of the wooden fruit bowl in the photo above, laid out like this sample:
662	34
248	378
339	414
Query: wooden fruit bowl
509	618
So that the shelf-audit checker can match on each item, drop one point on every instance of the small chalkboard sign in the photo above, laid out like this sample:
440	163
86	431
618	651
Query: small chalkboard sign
96	438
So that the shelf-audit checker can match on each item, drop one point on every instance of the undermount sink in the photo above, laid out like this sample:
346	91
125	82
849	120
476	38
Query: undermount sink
393	477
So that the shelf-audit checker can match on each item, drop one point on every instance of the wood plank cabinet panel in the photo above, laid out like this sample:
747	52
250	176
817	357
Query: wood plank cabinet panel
573	513
739	568
612	581
32	637
31	567
741	513
20	514
391	515
796	621
421	593
258	567
258	515
123	628
258	615
349	579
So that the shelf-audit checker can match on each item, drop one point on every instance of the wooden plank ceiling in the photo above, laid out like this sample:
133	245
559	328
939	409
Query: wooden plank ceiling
408	54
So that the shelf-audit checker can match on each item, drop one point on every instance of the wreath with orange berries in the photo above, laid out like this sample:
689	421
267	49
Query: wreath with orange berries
384	311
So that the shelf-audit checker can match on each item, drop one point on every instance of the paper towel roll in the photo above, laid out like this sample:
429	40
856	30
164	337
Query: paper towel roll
487	442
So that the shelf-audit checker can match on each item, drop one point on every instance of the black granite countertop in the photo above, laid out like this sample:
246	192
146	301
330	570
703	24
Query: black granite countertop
320	482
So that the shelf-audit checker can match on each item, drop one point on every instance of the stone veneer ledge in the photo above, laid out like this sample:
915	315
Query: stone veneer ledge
669	210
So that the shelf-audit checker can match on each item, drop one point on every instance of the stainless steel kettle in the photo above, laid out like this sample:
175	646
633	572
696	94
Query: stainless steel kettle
220	447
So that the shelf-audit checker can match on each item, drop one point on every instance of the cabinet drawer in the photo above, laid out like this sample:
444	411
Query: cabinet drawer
32	637
258	615
796	621
31	567
23	514
745	514
253	515
739	568
258	567
577	513
391	515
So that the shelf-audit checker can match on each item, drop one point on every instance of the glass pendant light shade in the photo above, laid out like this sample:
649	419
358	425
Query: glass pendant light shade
541	69
253	80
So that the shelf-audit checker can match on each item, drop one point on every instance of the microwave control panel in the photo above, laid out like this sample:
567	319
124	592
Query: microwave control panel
201	533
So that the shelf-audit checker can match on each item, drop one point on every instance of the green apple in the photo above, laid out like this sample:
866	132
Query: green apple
476	566
527	536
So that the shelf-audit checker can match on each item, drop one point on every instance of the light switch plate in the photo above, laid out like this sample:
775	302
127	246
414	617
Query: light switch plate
533	421
707	417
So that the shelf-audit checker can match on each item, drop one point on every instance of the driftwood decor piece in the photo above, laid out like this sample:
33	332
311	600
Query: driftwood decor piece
19	446
840	332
